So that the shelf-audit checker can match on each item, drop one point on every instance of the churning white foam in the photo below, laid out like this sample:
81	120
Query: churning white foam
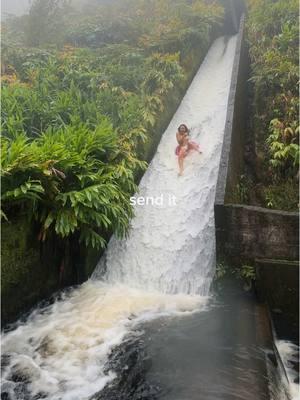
289	353
63	348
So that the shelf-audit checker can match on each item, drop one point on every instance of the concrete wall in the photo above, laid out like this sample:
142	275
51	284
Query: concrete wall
25	276
245	233
277	283
264	238
231	164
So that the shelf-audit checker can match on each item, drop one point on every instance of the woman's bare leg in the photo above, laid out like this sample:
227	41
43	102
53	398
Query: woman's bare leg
181	156
194	146
180	163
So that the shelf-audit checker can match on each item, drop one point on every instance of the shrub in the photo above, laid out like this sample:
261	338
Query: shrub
272	30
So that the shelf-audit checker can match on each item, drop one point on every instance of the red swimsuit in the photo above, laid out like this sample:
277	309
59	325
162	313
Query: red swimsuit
190	146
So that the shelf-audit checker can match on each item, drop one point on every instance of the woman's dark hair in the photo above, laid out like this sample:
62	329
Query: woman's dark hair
185	127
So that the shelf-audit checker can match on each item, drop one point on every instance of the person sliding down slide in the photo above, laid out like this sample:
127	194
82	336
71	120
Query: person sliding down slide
185	145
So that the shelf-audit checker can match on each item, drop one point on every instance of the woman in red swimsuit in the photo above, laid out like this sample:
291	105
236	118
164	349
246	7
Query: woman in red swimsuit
185	145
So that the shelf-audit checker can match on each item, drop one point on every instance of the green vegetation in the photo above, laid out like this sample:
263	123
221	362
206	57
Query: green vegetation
81	93
272	30
245	274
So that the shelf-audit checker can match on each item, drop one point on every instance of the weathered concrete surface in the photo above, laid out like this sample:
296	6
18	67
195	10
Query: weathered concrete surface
245	233
231	163
24	277
277	283
32	270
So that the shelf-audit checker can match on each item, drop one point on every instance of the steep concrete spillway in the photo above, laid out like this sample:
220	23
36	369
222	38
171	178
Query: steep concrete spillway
165	266
171	246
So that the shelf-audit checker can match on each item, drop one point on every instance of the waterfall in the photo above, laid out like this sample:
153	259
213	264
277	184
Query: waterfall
164	266
171	244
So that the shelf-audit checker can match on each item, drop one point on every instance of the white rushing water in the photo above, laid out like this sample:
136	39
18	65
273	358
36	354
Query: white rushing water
289	353
164	266
171	248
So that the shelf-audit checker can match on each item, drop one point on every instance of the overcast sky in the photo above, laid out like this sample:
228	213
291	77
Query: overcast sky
17	7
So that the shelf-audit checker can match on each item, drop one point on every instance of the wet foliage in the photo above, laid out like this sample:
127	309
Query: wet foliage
82	90
272	31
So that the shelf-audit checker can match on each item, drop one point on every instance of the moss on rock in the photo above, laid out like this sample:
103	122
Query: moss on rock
24	280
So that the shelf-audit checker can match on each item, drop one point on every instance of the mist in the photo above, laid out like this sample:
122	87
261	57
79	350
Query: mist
21	7
15	7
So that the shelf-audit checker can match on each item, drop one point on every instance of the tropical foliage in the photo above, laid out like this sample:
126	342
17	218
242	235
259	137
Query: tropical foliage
81	93
273	32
